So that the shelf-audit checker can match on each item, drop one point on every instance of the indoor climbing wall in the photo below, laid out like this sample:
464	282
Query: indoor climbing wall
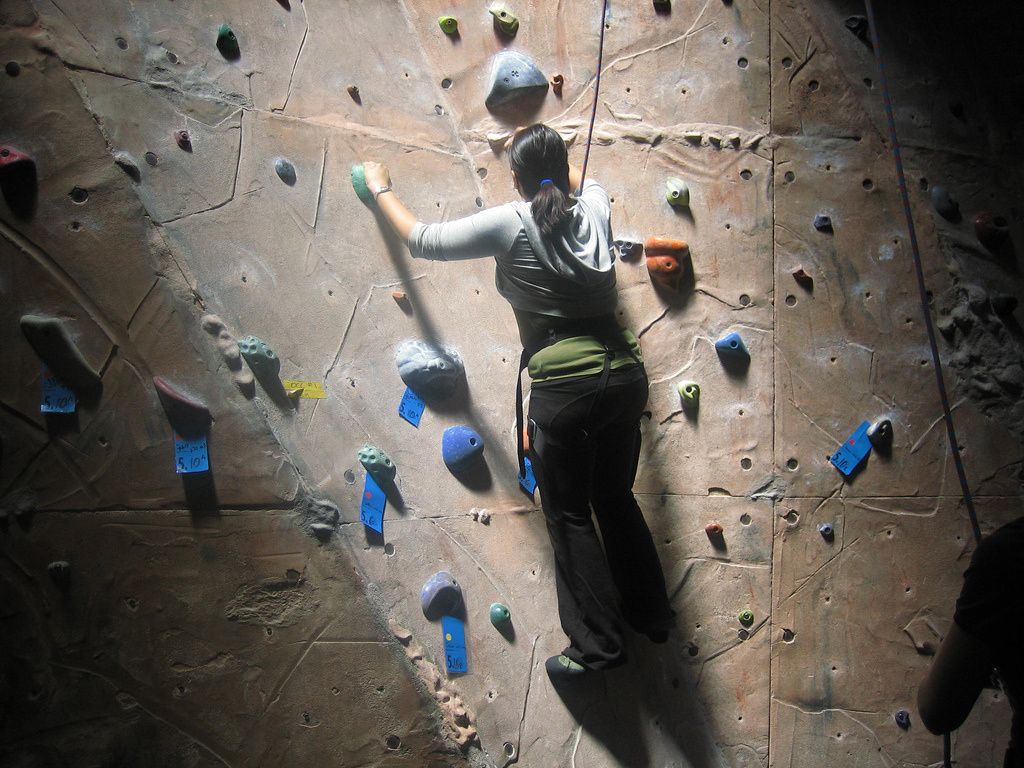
189	559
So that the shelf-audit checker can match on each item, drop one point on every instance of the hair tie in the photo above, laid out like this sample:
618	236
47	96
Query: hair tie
546	181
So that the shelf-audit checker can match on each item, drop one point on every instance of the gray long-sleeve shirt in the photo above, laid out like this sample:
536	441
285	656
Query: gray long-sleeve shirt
570	275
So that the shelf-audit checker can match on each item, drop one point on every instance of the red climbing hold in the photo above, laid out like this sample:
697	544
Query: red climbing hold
183	140
713	530
991	230
18	181
803	279
188	417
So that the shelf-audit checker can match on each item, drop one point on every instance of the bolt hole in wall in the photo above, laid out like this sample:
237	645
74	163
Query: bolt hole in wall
392	742
121	43
745	519
787	62
742	63
509	749
789	176
78	195
788	635
151	159
350	476
744	299
12	68
792	464
745	174
813	85
389	549
746	463
791	300
446	83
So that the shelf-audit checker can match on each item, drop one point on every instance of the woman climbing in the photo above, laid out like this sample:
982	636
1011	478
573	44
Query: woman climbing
589	387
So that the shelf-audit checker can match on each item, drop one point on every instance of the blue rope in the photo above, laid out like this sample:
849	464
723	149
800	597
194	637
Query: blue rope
947	413
597	89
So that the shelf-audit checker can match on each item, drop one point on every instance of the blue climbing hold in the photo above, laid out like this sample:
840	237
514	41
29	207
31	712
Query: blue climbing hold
823	223
902	718
731	347
461	447
826	530
441	596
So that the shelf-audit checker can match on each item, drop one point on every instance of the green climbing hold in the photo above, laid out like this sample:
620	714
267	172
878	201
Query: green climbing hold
449	25
359	184
227	43
377	463
746	617
504	20
677	193
500	615
689	393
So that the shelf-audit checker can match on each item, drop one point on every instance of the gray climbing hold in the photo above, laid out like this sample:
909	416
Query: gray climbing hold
60	573
50	340
858	25
126	163
945	204
323	531
377	463
902	718
629	250
823	223
514	76
880	435
259	356
285	171
429	370
441	596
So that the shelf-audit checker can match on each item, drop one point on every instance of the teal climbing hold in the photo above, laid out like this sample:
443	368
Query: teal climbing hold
259	356
500	615
377	463
227	43
359	184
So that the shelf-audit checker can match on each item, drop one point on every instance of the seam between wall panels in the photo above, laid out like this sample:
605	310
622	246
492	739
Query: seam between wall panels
775	383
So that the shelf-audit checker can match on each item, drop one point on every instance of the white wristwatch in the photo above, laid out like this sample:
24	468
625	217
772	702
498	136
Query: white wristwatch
378	192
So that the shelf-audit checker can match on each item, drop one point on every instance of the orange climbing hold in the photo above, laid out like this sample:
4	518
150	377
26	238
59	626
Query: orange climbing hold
667	261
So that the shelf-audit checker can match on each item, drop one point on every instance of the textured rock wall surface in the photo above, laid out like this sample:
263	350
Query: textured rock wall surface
234	618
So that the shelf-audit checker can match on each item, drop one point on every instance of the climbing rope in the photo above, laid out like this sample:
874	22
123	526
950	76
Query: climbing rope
597	90
947	413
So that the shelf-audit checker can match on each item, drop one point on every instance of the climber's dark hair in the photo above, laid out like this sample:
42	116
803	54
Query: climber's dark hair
539	153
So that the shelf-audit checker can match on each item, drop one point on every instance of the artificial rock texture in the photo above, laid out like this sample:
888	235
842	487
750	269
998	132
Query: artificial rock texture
244	616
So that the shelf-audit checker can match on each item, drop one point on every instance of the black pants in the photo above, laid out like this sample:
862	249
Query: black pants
584	447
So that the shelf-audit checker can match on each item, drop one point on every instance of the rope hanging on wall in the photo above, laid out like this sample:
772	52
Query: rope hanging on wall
947	414
597	90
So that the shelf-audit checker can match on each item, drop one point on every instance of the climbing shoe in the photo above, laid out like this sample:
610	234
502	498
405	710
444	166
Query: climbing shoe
561	667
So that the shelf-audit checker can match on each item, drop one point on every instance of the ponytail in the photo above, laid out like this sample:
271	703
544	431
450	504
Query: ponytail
550	208
541	163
